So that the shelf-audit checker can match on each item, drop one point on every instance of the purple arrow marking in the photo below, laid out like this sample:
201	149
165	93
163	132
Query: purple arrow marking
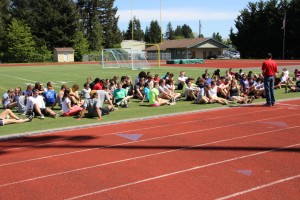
245	172
132	137
282	124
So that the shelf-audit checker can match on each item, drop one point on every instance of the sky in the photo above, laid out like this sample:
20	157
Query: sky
214	15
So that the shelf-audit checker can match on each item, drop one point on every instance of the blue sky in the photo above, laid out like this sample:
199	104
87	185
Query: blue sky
215	15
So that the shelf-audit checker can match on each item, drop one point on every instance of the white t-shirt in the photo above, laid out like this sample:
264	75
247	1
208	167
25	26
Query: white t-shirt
213	91
64	105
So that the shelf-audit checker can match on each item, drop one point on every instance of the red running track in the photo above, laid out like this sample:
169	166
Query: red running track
246	152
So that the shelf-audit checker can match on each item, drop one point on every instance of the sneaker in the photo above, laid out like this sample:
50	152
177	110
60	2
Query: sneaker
42	117
172	104
30	118
60	113
225	102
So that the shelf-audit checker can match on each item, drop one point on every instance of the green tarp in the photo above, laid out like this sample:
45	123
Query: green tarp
185	61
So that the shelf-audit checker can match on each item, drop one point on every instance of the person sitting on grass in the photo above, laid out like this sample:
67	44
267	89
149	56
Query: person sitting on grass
120	96
69	110
212	94
50	96
234	94
154	100
8	99
8	117
92	106
165	93
139	89
201	97
102	97
74	94
36	105
85	92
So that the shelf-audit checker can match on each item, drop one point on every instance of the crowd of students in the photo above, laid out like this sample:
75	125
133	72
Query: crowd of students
102	96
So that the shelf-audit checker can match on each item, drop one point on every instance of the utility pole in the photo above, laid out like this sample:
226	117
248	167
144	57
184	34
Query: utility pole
199	28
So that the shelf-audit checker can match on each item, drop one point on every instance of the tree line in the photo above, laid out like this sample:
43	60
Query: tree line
31	29
260	29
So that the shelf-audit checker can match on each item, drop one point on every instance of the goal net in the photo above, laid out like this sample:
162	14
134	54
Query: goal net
124	58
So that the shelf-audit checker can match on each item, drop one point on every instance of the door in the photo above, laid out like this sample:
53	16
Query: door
66	57
204	54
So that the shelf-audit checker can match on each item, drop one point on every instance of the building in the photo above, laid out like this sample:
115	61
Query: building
137	46
64	54
201	48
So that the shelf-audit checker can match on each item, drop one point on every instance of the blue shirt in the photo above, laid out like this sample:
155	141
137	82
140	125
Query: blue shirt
50	97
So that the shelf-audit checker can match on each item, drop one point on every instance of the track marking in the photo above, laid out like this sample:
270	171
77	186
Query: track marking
179	172
260	187
285	104
140	129
150	139
144	156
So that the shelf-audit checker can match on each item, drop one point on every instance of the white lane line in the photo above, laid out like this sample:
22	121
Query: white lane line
179	172
285	104
140	157
139	129
23	79
150	139
260	187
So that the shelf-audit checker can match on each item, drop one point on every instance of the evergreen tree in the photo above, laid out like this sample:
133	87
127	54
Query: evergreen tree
292	27
4	20
89	16
178	31
187	32
20	43
81	45
138	33
52	21
109	22
170	34
259	28
217	36
154	33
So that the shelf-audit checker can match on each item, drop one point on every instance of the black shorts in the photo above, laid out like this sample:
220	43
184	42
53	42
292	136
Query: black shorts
104	111
43	110
1	122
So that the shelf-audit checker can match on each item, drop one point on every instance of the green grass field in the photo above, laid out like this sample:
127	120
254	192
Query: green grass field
70	74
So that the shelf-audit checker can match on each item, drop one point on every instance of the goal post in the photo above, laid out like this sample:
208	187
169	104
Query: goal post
124	58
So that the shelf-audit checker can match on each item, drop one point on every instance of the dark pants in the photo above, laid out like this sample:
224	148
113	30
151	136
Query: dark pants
269	89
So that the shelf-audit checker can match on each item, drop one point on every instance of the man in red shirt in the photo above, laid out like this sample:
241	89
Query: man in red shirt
269	69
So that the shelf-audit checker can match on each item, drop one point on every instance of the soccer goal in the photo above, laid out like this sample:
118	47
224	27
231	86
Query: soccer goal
124	58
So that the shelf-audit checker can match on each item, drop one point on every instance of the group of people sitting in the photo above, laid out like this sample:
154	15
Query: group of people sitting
232	87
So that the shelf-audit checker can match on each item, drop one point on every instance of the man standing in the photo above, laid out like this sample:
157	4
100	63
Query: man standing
269	69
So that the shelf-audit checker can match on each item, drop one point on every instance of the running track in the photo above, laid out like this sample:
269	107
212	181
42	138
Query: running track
246	152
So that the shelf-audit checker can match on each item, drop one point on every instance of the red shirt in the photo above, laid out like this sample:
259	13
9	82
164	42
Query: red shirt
97	86
269	67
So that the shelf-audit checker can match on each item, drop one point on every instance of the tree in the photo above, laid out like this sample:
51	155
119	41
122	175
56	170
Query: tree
81	45
170	34
259	28
51	21
178	31
109	22
217	36
20	43
94	36
4	21
138	33
187	32
153	35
